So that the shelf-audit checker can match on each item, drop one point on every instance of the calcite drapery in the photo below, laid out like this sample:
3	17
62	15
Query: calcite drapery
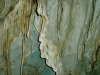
68	31
19	53
70	41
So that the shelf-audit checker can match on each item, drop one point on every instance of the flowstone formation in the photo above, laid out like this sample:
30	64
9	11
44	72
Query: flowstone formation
70	36
19	45
64	32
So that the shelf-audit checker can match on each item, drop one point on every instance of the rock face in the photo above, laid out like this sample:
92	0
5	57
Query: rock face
19	45
66	32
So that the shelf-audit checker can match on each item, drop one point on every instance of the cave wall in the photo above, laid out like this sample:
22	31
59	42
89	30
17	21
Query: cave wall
19	45
64	32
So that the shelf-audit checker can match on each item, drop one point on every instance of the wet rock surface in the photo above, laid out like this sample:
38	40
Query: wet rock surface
64	32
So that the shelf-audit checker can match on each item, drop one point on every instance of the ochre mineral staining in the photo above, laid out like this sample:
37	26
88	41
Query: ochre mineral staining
64	32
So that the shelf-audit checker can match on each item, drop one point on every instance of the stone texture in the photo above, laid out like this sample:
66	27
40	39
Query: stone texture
66	32
19	52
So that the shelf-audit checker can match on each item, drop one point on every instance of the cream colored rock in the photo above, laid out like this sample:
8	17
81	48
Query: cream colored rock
68	41
66	32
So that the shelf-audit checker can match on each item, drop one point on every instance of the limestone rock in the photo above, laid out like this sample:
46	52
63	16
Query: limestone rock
19	52
64	32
